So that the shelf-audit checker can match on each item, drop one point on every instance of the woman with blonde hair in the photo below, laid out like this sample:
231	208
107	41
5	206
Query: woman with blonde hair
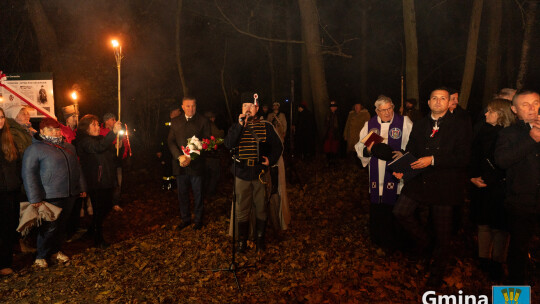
10	185
487	195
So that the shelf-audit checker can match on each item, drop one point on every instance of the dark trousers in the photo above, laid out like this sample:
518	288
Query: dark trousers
522	227
74	220
9	218
211	176
183	182
102	205
384	229
441	222
51	235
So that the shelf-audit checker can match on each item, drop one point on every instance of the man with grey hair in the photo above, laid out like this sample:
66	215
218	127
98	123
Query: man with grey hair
384	188
518	152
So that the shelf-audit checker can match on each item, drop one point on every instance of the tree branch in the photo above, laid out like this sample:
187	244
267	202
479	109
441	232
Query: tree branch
253	35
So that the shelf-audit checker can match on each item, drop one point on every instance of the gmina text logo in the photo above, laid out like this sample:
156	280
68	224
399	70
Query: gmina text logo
431	297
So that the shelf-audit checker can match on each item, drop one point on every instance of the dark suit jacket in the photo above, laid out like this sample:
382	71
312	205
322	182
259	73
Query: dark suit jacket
179	133
443	183
519	154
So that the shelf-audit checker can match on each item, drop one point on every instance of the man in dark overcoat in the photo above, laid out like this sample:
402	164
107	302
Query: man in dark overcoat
440	141
188	171
518	151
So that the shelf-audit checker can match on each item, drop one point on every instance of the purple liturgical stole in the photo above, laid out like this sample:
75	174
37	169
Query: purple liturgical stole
395	134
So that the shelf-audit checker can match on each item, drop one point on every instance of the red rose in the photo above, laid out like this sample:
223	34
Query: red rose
215	147
212	138
204	146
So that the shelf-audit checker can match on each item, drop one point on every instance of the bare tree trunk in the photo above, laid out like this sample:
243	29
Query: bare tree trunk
470	57
48	44
288	32
310	26
223	84
529	26
270	51
306	81
411	49
185	89
493	56
363	53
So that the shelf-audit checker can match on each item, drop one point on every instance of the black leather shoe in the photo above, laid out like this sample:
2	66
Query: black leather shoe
260	228
182	226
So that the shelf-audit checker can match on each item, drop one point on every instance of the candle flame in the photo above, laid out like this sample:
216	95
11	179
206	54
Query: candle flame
74	95
115	43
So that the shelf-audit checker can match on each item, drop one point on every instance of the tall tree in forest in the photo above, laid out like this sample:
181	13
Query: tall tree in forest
310	28
529	25
48	44
470	56
363	52
411	50
305	78
185	89
491	83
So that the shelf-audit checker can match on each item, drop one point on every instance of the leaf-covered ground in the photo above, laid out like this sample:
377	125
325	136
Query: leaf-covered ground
325	257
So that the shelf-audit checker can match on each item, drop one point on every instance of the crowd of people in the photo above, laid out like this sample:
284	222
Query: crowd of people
495	163
46	176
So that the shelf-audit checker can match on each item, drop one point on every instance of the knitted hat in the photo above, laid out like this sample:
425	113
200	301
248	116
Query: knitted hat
13	111
108	116
49	123
68	111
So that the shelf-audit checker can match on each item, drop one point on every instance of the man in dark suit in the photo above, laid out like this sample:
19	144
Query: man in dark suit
188	171
440	141
518	152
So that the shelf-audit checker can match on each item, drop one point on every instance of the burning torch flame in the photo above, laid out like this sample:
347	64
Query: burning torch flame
115	43
74	95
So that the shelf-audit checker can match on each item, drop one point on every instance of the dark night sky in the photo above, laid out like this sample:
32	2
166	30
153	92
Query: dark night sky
147	31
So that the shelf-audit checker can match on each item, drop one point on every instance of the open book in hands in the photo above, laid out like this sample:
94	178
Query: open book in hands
403	165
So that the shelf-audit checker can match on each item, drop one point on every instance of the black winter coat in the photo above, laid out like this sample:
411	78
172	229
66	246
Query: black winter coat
487	204
519	154
97	160
443	183
181	131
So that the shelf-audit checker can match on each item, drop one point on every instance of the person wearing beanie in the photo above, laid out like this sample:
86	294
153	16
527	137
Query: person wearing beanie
49	155
72	117
332	135
258	147
279	121
18	118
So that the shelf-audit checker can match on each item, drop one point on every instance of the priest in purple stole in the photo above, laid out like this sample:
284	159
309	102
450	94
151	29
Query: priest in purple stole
384	188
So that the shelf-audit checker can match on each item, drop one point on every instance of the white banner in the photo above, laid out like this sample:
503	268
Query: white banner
33	89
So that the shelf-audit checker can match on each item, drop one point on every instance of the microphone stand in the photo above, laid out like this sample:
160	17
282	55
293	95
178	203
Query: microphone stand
233	266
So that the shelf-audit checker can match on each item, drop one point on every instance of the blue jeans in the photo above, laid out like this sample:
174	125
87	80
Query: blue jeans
183	182
51	234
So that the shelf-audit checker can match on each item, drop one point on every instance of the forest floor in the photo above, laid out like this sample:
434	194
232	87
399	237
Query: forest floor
325	257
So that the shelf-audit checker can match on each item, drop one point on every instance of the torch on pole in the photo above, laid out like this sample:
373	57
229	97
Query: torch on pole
118	56
75	98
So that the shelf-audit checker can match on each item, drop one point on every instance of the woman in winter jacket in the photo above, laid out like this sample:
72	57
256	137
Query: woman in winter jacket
51	173
97	162
10	186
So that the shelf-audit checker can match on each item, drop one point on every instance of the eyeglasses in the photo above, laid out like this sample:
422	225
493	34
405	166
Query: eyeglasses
387	110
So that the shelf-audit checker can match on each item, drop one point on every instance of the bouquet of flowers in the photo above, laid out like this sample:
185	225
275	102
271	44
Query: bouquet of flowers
194	147
211	144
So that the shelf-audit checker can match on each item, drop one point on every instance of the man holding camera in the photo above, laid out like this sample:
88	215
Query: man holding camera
257	146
